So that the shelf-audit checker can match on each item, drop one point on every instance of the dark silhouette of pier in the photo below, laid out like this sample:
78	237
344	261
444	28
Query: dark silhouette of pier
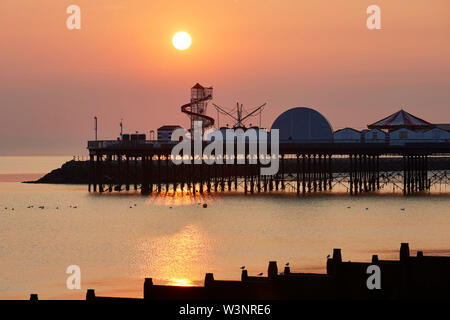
303	168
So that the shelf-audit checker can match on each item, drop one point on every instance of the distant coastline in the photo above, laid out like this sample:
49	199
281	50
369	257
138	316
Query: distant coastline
71	172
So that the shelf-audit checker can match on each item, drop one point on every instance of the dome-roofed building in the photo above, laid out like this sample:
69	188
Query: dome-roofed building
401	119
303	125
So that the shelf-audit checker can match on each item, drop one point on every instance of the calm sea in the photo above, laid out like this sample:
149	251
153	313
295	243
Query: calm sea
119	239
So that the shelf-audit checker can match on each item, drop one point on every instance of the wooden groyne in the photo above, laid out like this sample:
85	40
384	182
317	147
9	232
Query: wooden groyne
410	277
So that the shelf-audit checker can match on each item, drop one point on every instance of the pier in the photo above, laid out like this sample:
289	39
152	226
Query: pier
147	166
401	149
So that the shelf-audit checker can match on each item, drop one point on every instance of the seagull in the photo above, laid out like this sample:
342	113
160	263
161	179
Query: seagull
243	267
260	274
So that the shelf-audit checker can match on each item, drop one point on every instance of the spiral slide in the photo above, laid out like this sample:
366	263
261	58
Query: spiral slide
187	109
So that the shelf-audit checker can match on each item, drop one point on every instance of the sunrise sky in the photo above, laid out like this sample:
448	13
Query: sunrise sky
122	64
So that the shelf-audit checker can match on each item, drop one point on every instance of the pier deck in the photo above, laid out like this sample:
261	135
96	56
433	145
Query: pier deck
146	165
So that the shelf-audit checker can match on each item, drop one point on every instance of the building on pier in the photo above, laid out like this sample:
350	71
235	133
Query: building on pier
165	132
401	119
436	135
404	127
374	136
128	138
404	135
347	135
303	125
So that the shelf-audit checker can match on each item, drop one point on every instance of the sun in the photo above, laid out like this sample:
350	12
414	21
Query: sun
181	40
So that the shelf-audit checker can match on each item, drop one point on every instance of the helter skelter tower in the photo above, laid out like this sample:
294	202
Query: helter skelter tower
196	109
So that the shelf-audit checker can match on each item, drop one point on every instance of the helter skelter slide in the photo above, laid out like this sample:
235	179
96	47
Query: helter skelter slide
196	109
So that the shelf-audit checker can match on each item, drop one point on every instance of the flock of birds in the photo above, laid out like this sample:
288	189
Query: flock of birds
75	207
134	205
57	207
402	209
42	207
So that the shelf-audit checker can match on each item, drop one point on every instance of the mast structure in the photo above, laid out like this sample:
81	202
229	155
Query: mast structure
239	116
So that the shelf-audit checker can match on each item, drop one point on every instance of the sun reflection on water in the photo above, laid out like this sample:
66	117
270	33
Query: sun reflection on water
178	197
179	259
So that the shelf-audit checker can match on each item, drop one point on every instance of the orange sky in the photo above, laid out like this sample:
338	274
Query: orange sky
121	64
